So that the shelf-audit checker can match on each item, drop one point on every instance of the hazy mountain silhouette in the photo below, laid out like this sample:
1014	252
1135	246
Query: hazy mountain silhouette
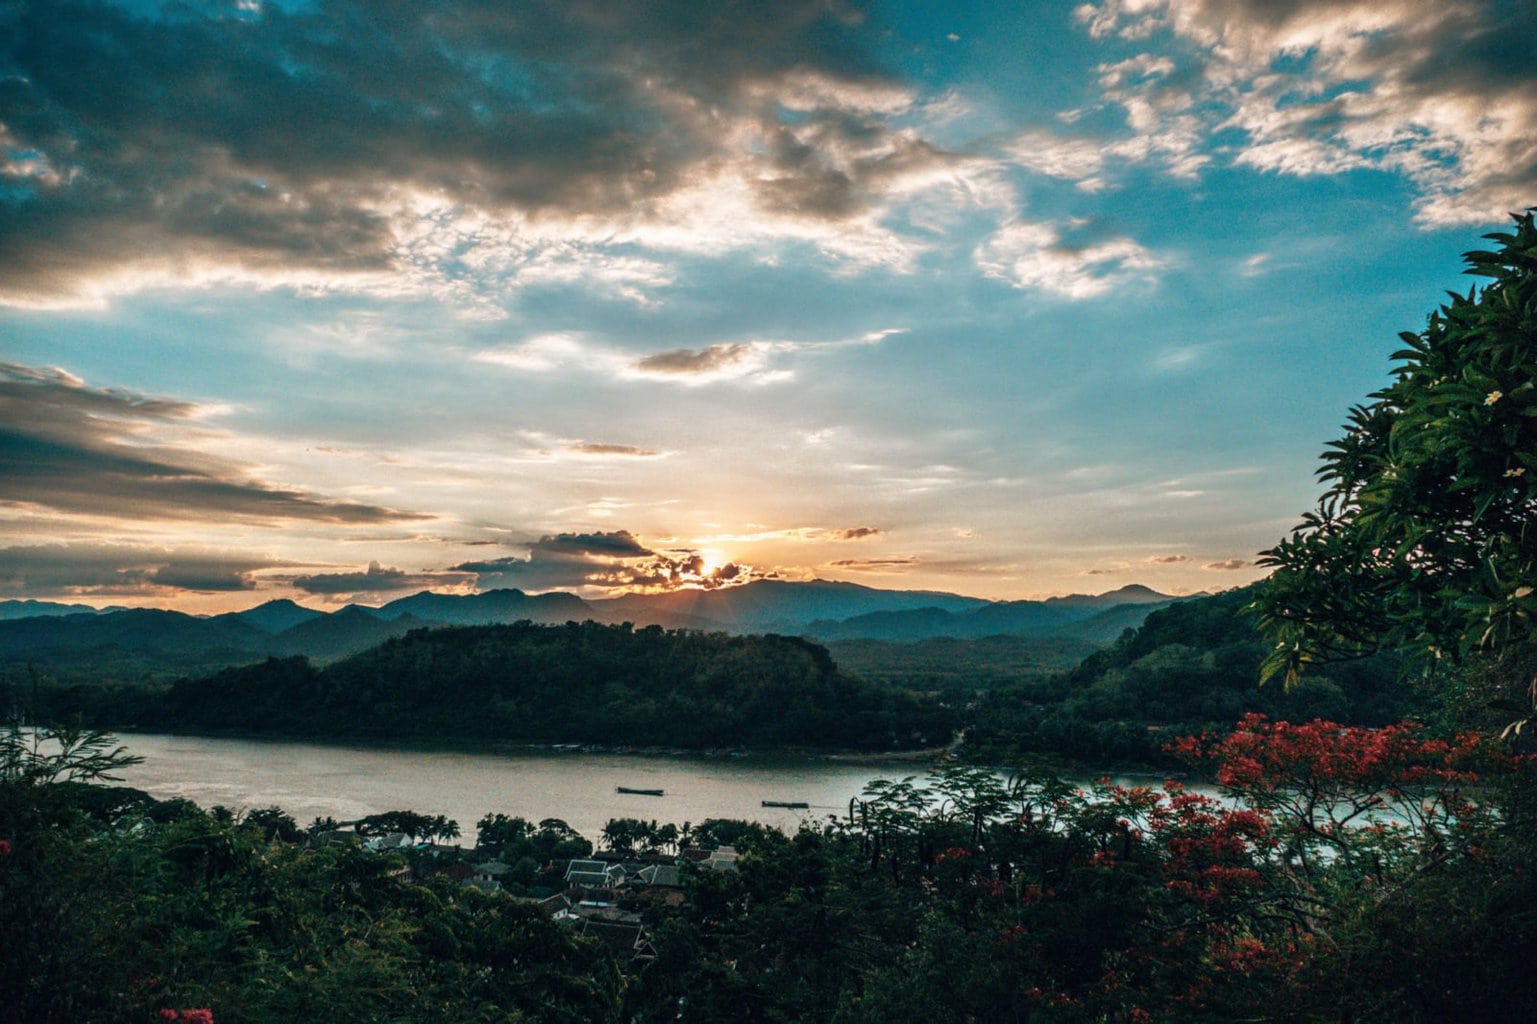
145	639
493	606
10	610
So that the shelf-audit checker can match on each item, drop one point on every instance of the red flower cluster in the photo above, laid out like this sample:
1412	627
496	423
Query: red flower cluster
5	847
1261	755
187	1016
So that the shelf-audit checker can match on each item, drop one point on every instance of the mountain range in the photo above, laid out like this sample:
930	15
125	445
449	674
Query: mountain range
47	633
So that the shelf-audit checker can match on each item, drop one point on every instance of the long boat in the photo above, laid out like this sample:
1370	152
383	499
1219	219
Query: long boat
797	805
638	792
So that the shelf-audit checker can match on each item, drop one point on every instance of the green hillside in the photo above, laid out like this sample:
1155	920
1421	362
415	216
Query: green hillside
587	683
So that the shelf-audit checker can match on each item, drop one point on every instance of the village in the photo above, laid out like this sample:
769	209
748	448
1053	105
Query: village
598	893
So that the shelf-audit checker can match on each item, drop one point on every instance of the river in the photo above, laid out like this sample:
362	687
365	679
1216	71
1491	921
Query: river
317	780
310	780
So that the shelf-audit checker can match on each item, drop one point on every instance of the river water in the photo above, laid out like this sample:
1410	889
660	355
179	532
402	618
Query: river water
310	780
317	780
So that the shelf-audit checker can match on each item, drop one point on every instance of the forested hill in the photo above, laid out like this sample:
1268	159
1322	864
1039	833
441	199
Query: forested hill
1189	667
586	683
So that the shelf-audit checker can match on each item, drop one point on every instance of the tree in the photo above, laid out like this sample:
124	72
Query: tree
1425	538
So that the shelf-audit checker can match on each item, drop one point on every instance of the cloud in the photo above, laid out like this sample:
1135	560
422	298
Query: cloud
1228	565
710	360
858	533
874	564
74	448
87	570
615	560
1035	255
613	544
748	361
1443	94
1167	559
376	579
628	451
363	144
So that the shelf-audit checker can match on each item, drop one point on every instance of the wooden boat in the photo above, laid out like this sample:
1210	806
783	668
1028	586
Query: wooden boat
797	805
638	792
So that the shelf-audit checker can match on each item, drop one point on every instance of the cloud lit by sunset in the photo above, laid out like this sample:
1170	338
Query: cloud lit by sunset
1006	300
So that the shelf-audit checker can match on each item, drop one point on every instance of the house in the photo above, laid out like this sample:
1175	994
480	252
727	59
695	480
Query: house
487	877
490	871
668	876
393	841
620	930
555	905
721	858
626	938
594	874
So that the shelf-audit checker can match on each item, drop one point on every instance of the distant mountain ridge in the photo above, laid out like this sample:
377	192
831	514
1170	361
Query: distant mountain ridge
823	609
998	618
10	610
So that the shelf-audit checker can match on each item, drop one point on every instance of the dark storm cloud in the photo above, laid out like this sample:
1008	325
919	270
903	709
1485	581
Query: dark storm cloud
272	139
689	361
53	570
75	448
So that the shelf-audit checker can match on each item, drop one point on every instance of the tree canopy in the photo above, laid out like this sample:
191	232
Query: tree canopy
1425	538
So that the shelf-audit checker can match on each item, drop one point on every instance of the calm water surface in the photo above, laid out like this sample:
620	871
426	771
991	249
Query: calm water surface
310	780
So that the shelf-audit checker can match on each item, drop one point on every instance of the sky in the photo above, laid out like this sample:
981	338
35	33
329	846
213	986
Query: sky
341	300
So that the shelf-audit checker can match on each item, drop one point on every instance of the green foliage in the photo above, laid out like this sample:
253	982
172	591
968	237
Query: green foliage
964	897
575	683
63	753
514	839
112	920
1425	538
1189	667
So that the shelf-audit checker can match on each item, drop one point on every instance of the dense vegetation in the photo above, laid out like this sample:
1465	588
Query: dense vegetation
1363	873
1425	538
1356	881
586	683
1189	667
961	665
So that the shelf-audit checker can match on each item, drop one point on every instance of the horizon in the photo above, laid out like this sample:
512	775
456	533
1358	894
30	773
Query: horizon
1012	303
327	609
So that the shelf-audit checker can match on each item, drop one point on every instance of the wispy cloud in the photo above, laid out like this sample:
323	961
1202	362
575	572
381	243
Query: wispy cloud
1039	256
753	362
621	451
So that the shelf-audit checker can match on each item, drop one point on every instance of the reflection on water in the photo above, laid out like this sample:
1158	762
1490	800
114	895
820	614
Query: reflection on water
310	780
315	780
